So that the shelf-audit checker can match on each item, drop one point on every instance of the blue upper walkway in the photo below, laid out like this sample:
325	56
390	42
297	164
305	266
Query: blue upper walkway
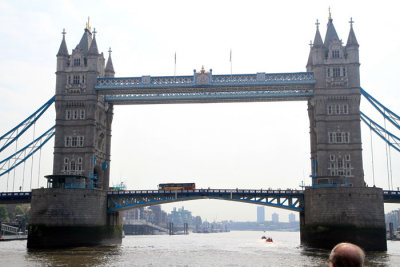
204	87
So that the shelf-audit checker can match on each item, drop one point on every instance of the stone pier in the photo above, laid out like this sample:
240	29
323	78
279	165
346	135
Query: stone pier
62	218
343	214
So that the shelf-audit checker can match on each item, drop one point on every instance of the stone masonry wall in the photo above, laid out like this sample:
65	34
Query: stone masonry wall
69	207
361	207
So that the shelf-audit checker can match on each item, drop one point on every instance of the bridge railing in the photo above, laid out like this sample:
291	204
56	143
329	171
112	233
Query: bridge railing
215	80
227	191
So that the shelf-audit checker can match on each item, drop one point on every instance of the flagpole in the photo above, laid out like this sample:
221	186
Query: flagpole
230	59
175	65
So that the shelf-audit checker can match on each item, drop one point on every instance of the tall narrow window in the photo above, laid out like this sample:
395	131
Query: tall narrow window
329	72
65	164
332	137
77	62
67	141
82	114
75	114
346	137
335	54
79	164
337	107
344	72
336	72
330	110
76	79
338	138
80	138
345	109
74	141
68	114
72	165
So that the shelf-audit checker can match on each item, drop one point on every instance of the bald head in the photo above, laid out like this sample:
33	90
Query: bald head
346	255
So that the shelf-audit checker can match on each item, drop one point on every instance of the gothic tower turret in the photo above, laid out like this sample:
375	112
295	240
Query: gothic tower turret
109	71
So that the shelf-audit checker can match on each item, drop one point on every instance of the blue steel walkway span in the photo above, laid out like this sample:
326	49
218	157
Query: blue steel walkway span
15	197
207	88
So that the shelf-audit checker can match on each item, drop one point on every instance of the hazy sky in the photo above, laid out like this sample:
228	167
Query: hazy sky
237	145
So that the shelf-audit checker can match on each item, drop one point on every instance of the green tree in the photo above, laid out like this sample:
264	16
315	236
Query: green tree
4	214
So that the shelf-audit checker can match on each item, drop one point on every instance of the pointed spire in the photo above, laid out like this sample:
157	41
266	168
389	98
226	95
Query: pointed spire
331	34
309	61
109	66
352	40
318	39
86	40
93	46
63	51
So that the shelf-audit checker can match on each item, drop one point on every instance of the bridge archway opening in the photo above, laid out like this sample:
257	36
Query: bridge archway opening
212	145
225	210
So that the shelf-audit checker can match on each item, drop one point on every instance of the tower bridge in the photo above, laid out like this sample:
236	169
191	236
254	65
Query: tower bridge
77	208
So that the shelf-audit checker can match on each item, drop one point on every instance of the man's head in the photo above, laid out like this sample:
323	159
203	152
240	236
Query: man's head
346	254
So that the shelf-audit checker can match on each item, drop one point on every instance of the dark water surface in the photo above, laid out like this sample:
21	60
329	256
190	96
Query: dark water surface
237	248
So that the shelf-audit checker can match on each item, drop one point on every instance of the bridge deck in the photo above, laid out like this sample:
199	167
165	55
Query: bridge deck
286	199
153	197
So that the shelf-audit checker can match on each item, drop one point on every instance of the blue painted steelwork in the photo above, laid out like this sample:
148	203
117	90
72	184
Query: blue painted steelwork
23	154
391	196
386	113
122	200
285	199
148	82
387	136
12	135
205	87
15	197
299	94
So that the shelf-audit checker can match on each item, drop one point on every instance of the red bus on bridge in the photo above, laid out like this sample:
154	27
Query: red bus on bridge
177	186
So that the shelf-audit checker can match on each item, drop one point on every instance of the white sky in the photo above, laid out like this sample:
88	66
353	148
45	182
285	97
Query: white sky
248	145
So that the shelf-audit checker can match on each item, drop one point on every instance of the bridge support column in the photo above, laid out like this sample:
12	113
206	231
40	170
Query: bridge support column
343	214
72	217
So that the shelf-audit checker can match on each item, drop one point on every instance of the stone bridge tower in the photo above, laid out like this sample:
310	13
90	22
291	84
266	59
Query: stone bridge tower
83	120
72	211
339	206
334	111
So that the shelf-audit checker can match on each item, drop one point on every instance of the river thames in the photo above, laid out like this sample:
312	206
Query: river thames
236	248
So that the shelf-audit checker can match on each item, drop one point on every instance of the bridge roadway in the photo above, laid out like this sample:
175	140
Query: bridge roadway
127	199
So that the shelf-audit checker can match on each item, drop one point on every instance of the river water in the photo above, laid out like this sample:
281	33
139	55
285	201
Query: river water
236	248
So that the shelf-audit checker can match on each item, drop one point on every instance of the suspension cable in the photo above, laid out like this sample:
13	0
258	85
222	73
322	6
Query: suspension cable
387	156
34	129
40	156
23	173
372	157
16	149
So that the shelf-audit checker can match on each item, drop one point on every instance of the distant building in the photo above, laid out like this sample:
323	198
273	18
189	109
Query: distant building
260	214
275	217
180	216
393	217
292	217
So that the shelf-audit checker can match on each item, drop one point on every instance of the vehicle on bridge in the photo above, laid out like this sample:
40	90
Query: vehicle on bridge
176	186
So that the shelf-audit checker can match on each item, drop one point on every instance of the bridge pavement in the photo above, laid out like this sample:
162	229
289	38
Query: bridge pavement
127	199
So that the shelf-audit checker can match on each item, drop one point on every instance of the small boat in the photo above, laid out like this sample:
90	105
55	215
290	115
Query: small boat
269	239
263	237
